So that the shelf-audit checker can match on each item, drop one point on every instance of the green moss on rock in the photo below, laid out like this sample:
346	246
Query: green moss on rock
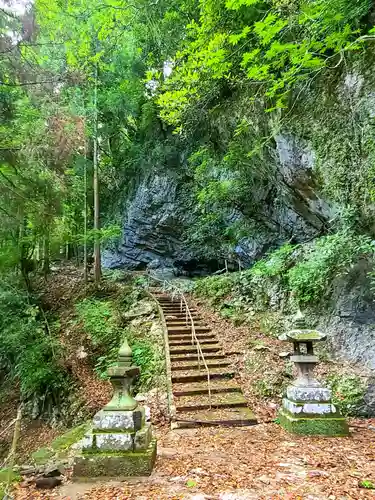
67	439
60	446
332	427
42	456
119	465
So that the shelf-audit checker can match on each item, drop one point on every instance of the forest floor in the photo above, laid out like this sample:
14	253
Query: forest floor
261	462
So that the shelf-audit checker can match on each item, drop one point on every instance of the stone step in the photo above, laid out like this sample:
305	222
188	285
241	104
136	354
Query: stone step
182	322
188	341
217	386
196	375
201	387
211	363
200	336
229	417
177	310
175	305
194	357
193	349
218	400
184	329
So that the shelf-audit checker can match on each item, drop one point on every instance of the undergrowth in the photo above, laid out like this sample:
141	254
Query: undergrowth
30	353
101	322
306	271
347	393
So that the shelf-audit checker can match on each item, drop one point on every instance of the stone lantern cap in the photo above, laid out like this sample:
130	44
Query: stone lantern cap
300	332
303	336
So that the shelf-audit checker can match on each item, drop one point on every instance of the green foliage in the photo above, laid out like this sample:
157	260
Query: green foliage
149	360
215	287
100	321
368	485
5	474
30	353
331	256
277	47
347	393
275	264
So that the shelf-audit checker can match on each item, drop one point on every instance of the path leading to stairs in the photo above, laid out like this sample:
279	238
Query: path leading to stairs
194	406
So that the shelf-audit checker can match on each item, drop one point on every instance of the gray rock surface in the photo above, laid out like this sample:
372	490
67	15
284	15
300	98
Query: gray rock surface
152	227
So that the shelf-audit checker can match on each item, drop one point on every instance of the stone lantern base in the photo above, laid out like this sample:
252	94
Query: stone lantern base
309	411
119	445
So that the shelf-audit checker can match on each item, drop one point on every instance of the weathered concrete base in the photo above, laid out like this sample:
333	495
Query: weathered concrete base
120	465
314	426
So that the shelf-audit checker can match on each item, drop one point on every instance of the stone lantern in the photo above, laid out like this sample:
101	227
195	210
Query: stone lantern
307	406
120	443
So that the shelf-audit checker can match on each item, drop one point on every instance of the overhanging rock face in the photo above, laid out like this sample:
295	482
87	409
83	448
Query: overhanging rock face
152	228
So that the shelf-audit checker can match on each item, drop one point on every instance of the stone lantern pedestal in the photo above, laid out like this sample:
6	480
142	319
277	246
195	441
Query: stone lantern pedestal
307	406
120	443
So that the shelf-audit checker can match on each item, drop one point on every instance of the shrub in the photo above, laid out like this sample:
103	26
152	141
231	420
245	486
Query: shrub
29	350
100	321
148	359
214	287
275	263
347	393
331	256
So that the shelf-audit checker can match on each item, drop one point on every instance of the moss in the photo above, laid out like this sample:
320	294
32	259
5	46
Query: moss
60	445
330	427
42	456
66	440
115	464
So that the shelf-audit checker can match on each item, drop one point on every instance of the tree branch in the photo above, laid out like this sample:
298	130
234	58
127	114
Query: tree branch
22	84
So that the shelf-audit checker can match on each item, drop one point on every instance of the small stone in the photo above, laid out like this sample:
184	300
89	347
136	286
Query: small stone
47	483
167	452
140	398
273	406
199	471
147	414
284	354
317	473
261	348
264	479
177	479
52	471
28	470
81	353
143	438
26	483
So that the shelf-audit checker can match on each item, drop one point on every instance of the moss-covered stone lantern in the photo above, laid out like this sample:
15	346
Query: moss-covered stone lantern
307	406
120	443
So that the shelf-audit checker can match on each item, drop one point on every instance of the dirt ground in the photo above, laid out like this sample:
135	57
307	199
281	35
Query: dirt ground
260	462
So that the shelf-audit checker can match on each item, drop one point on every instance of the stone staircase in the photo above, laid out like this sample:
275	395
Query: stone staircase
193	405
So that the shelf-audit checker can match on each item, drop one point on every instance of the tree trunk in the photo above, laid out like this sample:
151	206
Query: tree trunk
97	263
85	219
46	261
